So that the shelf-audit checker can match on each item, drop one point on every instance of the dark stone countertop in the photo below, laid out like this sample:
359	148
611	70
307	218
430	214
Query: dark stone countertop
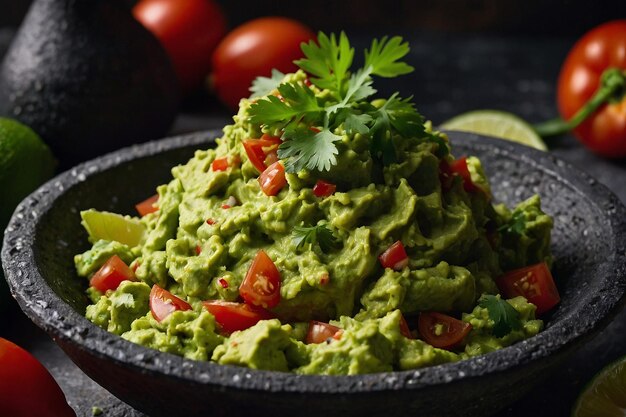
453	74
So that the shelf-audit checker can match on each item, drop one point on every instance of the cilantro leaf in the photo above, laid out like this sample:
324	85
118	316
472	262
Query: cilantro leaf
298	104
328	61
305	148
353	122
383	57
516	225
505	317
319	234
262	86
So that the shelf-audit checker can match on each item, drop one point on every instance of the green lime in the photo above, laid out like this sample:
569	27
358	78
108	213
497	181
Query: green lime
25	163
605	395
497	124
112	226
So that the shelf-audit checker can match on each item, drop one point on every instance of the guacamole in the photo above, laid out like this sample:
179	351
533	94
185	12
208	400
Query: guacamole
320	239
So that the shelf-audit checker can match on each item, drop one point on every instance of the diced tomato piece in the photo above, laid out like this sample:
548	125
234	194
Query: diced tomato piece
394	257
323	188
459	167
262	152
220	164
163	303
235	316
261	286
441	330
533	282
273	179
320	332
111	274
147	206
404	328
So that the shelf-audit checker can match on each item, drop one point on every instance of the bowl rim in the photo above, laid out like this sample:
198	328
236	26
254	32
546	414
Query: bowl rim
47	310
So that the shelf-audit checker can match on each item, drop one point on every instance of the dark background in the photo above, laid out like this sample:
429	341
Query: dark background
532	17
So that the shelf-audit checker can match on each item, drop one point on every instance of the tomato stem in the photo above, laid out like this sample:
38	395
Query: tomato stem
612	88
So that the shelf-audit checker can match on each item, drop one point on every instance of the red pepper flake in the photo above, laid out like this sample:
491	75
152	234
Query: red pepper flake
324	279
220	164
307	82
223	282
198	250
210	222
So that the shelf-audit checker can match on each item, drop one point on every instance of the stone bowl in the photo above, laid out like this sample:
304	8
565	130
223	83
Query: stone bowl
589	245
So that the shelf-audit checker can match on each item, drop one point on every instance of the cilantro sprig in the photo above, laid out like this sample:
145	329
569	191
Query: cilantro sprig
309	124
505	317
309	236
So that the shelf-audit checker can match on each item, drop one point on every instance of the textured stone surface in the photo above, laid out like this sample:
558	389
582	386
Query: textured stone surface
589	244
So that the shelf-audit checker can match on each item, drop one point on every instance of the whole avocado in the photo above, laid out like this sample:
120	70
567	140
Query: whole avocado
87	78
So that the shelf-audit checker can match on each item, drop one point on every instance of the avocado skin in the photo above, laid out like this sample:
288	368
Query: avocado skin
88	78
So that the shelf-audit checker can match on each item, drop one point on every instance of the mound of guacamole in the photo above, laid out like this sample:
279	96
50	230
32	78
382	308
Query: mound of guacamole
328	232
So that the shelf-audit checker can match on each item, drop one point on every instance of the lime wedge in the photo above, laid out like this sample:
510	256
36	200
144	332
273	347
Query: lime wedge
605	395
111	226
498	124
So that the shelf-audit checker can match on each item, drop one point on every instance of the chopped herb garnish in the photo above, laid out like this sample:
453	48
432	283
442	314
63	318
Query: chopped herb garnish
505	317
320	234
262	86
516	225
328	61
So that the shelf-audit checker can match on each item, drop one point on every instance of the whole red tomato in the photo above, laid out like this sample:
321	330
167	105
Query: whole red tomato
252	50
26	388
189	30
604	131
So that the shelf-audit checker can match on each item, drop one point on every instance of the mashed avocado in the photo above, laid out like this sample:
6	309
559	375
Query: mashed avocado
386	177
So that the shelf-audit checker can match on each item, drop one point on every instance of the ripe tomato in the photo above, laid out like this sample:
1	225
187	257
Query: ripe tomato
441	330
189	30
26	388
534	282
235	316
111	275
252	50
604	131
394	257
324	189
147	206
319	332
261	286
163	303
273	179
262	152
